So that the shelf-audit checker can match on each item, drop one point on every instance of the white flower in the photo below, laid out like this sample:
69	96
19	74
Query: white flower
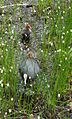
12	31
56	25
26	46
63	33
2	44
21	49
37	75
63	27
42	51
28	49
31	85
71	30
7	84
1	81
10	70
5	113
6	32
0	99
6	50
62	17
69	47
11	67
1	56
43	10
9	24
2	15
29	77
10	110
63	41
59	50
49	53
48	17
59	65
3	11
67	31
63	69
58	95
14	26
11	37
19	111
60	61
34	11
68	109
65	58
4	116
11	99
58	7
63	12
69	7
62	37
51	44
19	18
48	86
1	84
2	71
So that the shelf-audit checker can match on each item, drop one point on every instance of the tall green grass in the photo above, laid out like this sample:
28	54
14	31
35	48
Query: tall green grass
59	36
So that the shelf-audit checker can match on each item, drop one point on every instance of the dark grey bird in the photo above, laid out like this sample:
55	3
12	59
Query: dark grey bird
29	67
28	70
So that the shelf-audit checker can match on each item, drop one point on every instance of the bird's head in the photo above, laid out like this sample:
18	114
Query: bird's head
30	54
28	26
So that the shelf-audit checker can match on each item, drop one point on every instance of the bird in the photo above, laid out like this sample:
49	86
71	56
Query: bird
26	33
29	68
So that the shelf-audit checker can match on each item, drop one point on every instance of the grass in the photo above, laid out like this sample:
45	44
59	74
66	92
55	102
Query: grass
51	86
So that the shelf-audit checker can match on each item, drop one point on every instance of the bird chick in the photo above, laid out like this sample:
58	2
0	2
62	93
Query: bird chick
26	34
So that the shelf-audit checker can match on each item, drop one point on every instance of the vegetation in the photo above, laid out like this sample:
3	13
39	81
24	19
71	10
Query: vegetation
49	96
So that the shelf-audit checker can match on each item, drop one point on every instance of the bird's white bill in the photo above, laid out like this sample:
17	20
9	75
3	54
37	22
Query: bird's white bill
25	78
